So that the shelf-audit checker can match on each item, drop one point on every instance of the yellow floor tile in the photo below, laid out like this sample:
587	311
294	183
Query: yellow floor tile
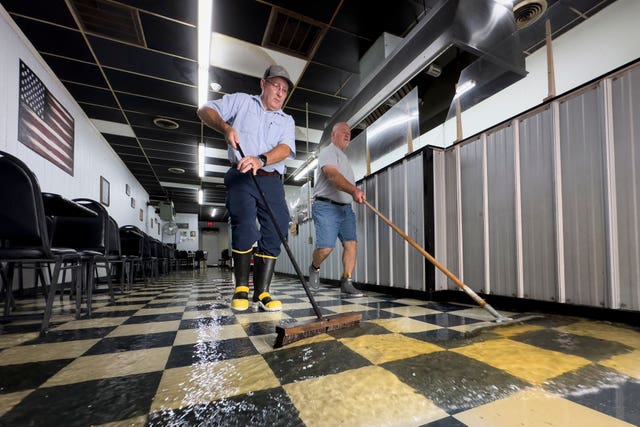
536	408
11	340
405	325
99	322
388	347
410	310
369	396
206	314
191	385
9	400
144	328
113	308
628	364
211	333
44	352
516	329
533	364
111	365
156	311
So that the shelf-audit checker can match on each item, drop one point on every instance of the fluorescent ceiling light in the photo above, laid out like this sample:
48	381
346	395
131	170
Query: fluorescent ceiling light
179	185
205	9
308	168
200	196
201	150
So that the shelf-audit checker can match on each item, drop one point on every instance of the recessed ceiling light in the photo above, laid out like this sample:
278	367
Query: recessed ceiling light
176	170
216	87
165	123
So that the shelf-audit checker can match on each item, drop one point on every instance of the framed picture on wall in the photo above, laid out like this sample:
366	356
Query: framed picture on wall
158	224
104	191
127	189
193	234
133	202
141	215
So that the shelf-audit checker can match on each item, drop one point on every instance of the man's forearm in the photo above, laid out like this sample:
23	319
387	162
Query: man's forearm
211	118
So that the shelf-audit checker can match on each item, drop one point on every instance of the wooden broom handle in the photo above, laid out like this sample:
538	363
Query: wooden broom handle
427	255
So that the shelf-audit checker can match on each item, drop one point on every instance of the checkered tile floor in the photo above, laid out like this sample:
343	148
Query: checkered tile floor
172	353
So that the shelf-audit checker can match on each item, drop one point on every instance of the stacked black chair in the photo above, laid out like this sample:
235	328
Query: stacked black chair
132	243
114	253
24	239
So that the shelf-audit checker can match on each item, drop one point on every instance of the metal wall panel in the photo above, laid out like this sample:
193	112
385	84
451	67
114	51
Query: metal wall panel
359	274
371	237
502	211
472	215
626	132
415	227
583	197
538	210
451	206
384	232
397	215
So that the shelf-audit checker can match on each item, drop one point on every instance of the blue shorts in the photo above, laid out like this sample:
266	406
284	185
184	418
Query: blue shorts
333	221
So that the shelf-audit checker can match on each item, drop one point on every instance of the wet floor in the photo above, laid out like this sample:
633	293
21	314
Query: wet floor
172	353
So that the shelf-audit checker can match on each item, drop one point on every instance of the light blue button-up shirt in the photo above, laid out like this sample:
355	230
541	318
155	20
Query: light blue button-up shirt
259	130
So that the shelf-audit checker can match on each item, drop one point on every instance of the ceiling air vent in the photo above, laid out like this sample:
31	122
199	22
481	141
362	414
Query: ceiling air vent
527	12
111	20
291	34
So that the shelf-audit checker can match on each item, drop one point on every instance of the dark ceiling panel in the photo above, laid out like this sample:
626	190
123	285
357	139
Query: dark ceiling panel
90	94
321	11
102	113
141	120
143	61
321	104
157	108
324	79
347	57
76	71
54	11
161	135
56	40
183	10
170	36
397	20
135	84
242	19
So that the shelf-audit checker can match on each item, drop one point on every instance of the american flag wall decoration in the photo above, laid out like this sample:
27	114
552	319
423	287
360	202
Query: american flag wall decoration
44	125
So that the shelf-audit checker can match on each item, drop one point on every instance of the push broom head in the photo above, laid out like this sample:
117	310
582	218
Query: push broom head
290	334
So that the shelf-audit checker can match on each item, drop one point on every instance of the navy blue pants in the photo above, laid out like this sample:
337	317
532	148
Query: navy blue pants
245	205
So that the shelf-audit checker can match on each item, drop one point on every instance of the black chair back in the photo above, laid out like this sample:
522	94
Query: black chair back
132	241
83	233
22	217
113	238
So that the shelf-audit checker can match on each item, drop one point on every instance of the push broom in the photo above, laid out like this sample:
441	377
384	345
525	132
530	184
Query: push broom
481	302
295	332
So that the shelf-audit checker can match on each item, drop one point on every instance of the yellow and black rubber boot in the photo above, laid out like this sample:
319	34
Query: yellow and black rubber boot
241	267
263	266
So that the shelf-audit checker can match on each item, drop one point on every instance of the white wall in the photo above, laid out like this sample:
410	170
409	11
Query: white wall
604	42
187	242
93	156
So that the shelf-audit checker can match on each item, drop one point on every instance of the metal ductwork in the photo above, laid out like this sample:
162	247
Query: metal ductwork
484	28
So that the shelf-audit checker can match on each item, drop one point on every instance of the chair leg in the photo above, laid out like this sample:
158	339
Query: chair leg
44	328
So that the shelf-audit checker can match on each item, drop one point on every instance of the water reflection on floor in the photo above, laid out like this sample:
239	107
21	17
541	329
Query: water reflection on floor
173	353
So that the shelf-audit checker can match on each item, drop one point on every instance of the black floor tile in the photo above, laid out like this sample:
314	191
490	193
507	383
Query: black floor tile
446	320
72	335
28	375
211	351
87	403
455	382
314	360
270	407
133	320
133	342
620	401
593	349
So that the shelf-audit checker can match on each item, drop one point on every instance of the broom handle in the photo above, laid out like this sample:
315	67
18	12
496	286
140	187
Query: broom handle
283	239
482	303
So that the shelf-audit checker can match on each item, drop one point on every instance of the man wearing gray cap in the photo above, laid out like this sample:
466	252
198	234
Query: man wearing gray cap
257	124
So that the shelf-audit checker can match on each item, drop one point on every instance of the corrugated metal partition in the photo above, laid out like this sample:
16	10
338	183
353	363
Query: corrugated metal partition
626	142
501	212
471	188
581	120
537	195
548	204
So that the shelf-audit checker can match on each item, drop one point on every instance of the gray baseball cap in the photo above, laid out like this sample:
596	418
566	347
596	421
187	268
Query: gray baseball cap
277	71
